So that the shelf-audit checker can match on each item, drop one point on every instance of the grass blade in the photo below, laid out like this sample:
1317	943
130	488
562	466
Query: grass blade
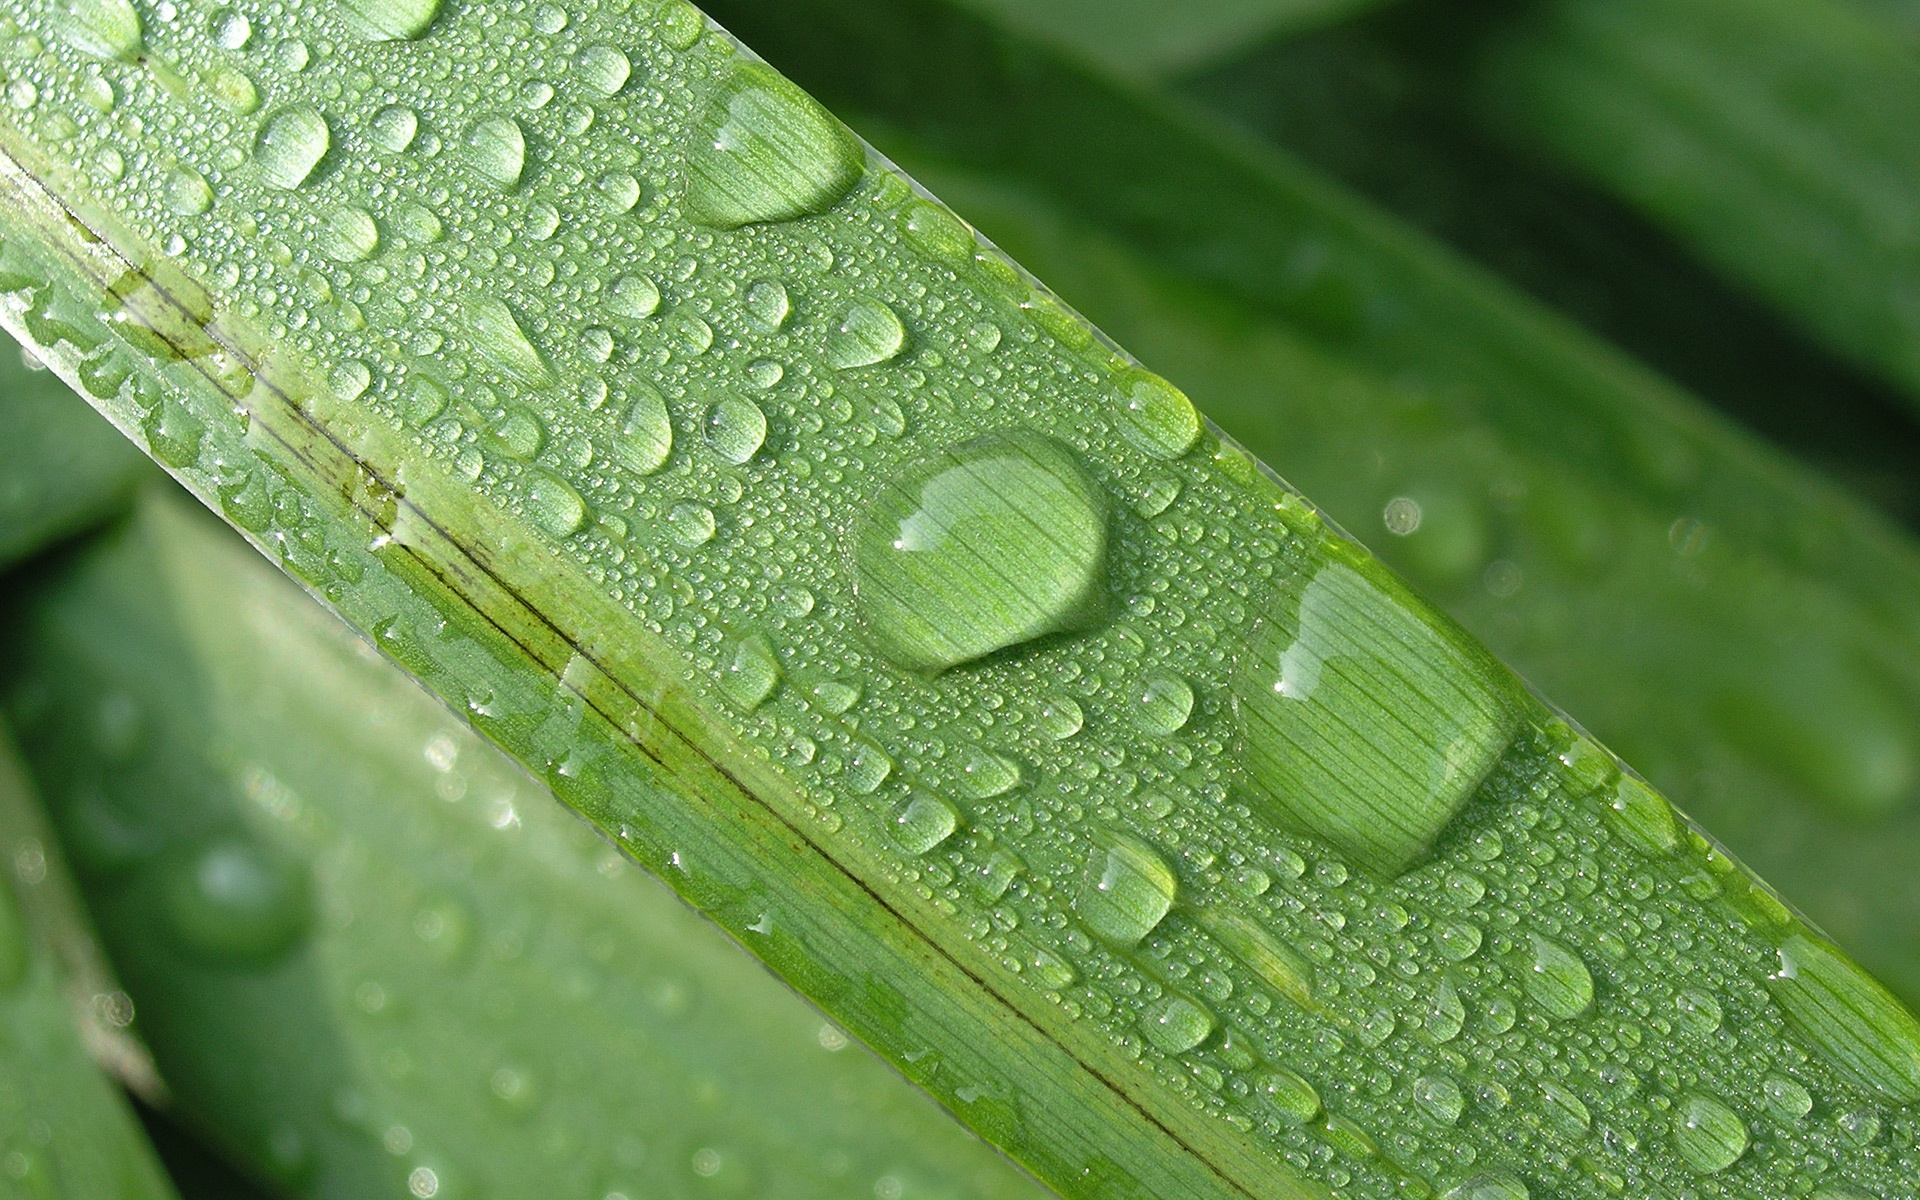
1039	882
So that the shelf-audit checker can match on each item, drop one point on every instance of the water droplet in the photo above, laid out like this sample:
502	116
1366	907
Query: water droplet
1157	417
188	193
751	673
426	399
736	428
634	296
870	333
173	434
1277	964
234	902
691	523
1853	1023
1565	1109
1051	971
1557	980
350	235
103	28
1439	1097
988	774
1369	719
833	696
923	822
235	90
498	337
1125	890
646	436
986	545
1061	718
389	20
1709	1135
291	146
231	29
1491	1185
1292	1098
1786	1099
604	69
418	224
867	768
1642	819
937	233
620	192
1446	1015
1699	1012
497	151
1162	704
555	505
1458	940
763	150
517	433
765	372
394	128
1177	1024
767	304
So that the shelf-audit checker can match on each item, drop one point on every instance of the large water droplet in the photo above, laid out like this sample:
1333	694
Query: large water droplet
1157	417
1369	718
1125	890
1162	704
1279	965
1699	1013
736	428
389	20
497	151
291	146
1177	1024
751	673
923	822
498	337
103	28
870	333
187	192
555	505
1642	819
394	128
604	69
634	297
234	902
1291	1097
767	304
691	523
646	436
1557	980
1439	1098
1061	718
988	774
1848	1018
763	150
1709	1135
1786	1099
986	545
350	235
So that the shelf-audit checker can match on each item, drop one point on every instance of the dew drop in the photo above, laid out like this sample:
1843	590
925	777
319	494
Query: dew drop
233	901
1439	1098
1848	1018
350	235
691	523
1157	417
234	90
1490	1185
1061	718
188	193
1709	1136
1369	719
986	545
634	296
1292	1098
867	768
497	151
604	70
555	505
1642	819
751	673
987	774
937	233
923	822
426	398
394	128
646	436
1786	1099
103	28
736	428
497	335
418	224
1458	940
1051	971
1125	890
231	29
870	333
291	146
1278	965
1557	980
767	304
1446	1015
1699	1013
1162	704
763	150
389	20
1177	1024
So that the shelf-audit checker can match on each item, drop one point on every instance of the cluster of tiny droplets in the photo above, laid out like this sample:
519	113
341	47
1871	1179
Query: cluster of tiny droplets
436	245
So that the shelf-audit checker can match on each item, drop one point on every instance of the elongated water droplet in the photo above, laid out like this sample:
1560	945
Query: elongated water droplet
394	128
1446	1015
103	28
988	774
1710	1136
646	436
1279	965
767	304
634	297
751	673
1492	1185
498	337
983	546
1642	819
763	150
188	193
1125	890
1699	1013
1848	1018
923	822
291	146
867	768
1439	1098
736	428
389	20
1557	980
1369	719
870	333
1565	1110
1786	1099
234	902
604	70
1061	718
1177	1024
691	523
497	151
555	505
1157	417
1291	1097
1163	704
